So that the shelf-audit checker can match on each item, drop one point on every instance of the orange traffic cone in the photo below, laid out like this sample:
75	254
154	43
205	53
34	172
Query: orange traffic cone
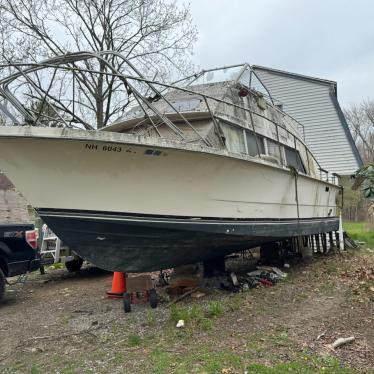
118	285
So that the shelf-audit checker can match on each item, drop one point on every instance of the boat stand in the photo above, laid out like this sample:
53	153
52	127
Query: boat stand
139	290
323	243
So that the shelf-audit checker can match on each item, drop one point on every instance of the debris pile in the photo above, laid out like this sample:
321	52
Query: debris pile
188	281
350	243
265	276
184	279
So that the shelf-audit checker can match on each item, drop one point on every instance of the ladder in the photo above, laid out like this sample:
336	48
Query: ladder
51	245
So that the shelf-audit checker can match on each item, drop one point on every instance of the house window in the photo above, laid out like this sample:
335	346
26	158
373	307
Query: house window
234	138
255	146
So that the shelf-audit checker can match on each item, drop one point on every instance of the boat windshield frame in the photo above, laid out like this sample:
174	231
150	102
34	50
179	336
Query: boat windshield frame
194	79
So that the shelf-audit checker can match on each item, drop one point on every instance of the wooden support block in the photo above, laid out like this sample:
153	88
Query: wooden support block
185	282
331	240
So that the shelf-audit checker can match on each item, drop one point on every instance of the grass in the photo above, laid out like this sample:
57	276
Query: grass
206	324
214	309
34	370
204	359
177	313
151	320
235	302
134	340
299	368
197	312
162	352
197	317
362	231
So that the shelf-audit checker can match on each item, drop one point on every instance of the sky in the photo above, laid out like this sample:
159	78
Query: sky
330	39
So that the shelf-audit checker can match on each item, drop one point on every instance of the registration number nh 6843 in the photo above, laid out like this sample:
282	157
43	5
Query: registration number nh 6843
105	148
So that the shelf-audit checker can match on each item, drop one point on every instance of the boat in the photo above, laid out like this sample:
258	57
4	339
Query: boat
190	171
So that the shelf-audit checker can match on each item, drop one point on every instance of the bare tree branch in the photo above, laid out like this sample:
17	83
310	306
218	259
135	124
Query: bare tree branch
154	34
361	122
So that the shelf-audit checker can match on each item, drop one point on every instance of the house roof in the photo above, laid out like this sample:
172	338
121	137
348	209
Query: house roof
302	111
298	76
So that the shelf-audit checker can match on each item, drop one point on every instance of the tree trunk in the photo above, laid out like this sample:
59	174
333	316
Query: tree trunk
100	99
99	112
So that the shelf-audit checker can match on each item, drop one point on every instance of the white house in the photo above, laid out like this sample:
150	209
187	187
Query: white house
313	102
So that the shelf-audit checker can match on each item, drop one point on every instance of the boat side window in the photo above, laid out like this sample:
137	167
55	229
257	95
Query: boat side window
184	105
234	138
274	149
255	146
293	159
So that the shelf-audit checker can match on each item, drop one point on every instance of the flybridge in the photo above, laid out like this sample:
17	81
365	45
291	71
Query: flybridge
226	108
60	89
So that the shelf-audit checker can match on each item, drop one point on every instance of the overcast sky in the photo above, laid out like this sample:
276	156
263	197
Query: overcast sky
332	39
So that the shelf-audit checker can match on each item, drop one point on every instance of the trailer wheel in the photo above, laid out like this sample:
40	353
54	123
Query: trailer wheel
126	302
74	265
2	284
153	298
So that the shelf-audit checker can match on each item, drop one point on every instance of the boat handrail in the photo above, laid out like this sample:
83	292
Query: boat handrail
66	62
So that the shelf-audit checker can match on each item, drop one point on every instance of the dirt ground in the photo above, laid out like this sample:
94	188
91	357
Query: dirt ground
63	323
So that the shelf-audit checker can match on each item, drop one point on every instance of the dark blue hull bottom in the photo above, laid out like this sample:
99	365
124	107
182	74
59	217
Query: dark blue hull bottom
134	243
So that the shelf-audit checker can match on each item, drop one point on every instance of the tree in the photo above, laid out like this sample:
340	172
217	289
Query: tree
46	113
155	35
354	205
365	177
360	119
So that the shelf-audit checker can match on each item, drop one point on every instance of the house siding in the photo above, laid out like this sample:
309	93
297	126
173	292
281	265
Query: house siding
311	102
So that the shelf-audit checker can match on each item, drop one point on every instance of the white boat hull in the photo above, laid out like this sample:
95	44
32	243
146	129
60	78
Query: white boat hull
103	180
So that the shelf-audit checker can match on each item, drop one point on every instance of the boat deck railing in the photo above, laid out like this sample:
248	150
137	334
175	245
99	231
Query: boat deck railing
65	109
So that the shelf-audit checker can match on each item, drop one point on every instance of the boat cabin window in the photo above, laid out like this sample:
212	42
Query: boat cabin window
234	138
243	141
185	105
255	146
274	149
293	159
